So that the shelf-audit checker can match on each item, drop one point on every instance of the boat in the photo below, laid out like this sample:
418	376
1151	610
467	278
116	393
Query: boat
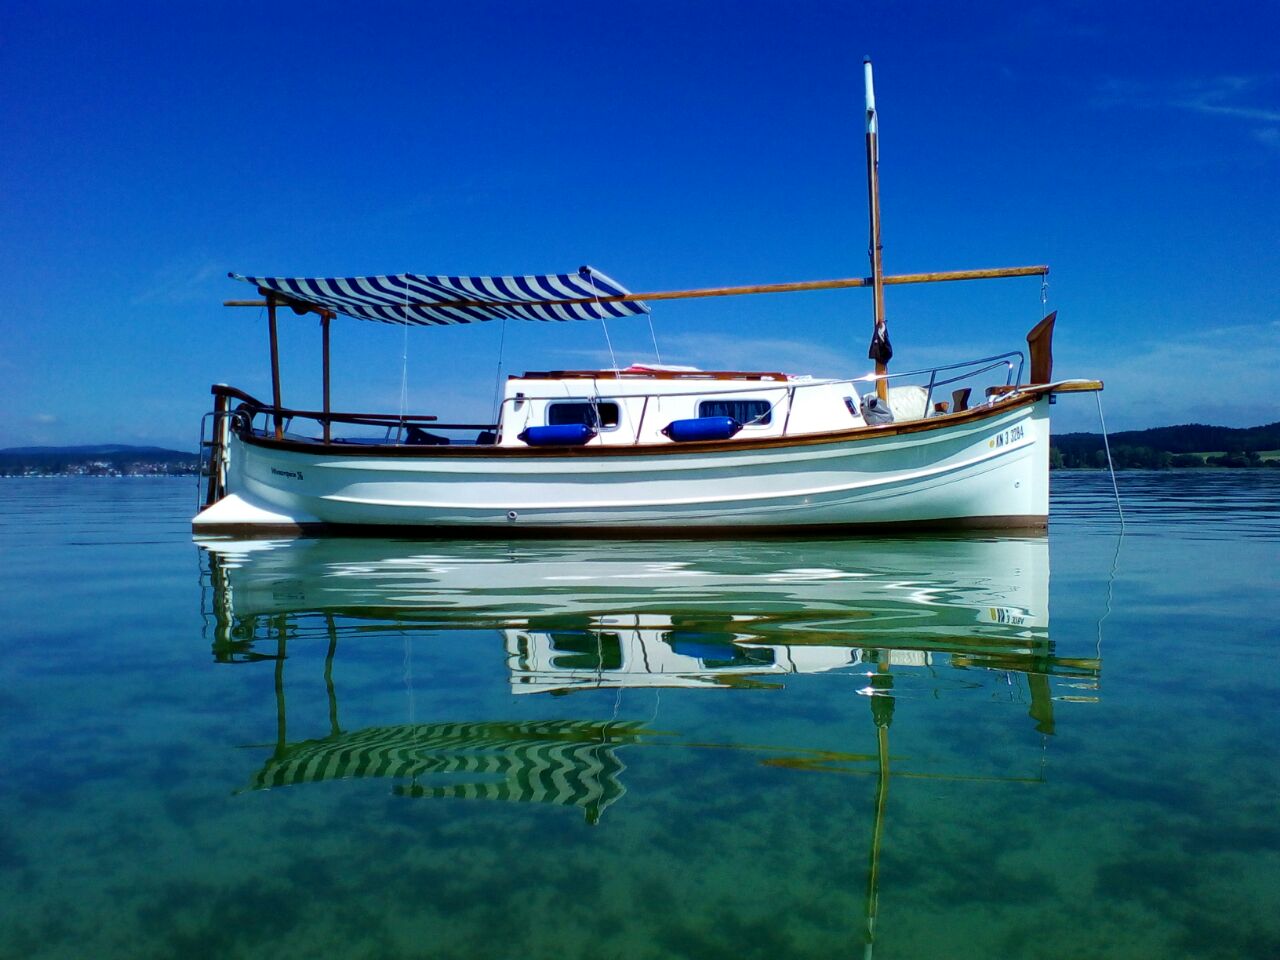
643	450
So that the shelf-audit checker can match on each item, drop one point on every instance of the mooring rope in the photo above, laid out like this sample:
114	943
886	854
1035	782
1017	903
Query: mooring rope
654	337
603	325
497	377
1110	466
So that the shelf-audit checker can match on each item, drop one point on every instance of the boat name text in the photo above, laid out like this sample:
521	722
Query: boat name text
1006	437
1004	615
291	474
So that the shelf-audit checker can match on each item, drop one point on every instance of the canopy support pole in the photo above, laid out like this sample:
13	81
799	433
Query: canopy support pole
275	366
324	334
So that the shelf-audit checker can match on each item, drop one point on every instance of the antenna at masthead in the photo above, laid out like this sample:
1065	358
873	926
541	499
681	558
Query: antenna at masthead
872	124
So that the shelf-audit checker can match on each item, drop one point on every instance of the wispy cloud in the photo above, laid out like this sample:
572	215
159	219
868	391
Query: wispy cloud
1268	137
184	281
1241	98
1220	97
1225	375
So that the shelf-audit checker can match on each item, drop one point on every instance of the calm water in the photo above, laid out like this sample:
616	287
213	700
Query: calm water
919	747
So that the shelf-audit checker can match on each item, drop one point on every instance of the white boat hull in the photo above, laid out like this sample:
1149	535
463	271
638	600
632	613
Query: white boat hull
989	470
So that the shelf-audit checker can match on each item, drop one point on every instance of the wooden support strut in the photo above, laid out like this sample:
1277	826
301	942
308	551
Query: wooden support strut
324	335
275	365
945	276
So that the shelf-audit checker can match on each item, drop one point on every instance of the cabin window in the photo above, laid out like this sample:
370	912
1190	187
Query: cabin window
585	650
592	414
754	412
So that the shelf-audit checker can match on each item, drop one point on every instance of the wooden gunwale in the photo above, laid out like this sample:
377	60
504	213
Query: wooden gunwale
972	415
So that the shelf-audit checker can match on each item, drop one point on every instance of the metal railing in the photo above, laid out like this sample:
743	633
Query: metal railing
968	370
979	366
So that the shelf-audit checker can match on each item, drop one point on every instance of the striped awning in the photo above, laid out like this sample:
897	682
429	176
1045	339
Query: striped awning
427	300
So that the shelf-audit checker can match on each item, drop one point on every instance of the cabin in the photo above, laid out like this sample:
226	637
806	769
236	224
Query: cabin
654	404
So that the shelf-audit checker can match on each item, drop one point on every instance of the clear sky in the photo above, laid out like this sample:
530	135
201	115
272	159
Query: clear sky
148	148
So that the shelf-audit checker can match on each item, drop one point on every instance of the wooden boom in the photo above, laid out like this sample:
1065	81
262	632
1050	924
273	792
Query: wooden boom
987	274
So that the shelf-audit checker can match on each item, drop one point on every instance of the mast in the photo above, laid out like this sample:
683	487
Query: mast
880	350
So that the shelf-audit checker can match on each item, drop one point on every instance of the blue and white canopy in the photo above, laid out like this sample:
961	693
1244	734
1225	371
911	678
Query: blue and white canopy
423	300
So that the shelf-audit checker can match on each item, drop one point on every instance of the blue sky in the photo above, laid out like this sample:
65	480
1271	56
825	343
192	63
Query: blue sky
147	149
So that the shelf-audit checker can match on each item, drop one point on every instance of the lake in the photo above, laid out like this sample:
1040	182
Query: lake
926	747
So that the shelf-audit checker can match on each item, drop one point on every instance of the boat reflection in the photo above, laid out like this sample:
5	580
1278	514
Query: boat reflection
631	614
898	617
576	616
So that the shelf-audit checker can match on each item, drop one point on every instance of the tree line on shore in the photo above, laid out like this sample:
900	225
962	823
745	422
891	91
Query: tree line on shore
108	460
1164	448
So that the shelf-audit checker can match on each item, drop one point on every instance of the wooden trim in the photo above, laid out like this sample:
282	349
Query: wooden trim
974	414
1076	386
1062	386
222	390
1040	346
372	419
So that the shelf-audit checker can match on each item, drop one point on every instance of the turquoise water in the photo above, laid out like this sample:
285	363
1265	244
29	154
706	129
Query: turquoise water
1044	747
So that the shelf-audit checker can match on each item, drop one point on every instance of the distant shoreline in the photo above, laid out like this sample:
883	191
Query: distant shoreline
98	476
102	460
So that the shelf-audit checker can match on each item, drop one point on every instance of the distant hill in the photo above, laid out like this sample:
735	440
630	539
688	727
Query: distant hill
1187	445
104	459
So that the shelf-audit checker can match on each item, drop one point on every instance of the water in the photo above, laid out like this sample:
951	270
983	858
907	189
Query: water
920	747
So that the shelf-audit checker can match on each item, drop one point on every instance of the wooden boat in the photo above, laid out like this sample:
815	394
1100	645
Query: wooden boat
641	450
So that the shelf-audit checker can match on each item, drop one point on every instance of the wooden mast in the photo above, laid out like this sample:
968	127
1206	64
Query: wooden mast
880	333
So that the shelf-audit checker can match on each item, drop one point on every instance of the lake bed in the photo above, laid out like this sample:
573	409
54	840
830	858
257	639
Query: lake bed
932	746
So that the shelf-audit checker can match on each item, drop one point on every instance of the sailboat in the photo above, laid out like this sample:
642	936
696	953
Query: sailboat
643	450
